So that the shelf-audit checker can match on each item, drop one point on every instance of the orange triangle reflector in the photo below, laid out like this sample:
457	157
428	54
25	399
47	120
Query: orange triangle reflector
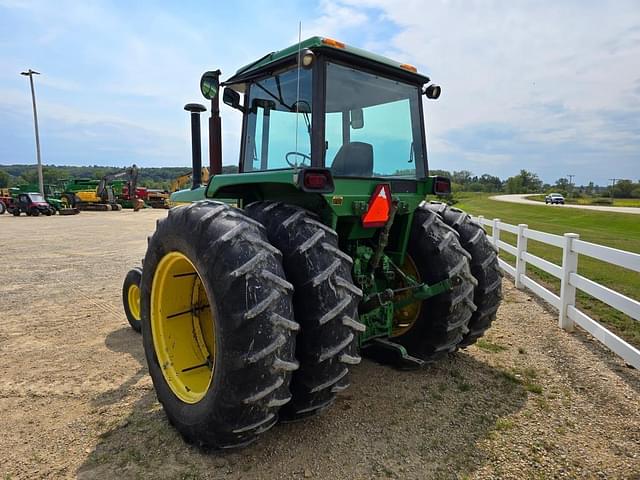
377	215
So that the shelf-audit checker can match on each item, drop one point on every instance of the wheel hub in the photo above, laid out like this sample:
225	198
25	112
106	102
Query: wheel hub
183	328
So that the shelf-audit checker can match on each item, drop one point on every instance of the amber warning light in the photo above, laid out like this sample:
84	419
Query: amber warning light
377	215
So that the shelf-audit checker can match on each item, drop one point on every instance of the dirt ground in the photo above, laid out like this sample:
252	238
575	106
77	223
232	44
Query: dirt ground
529	401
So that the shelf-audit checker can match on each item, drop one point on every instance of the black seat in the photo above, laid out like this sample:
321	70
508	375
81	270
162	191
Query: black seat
354	159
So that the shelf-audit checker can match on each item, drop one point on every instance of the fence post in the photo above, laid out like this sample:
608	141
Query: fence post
567	291
521	265
495	233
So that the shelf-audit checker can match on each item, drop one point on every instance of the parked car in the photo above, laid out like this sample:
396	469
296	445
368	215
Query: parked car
554	198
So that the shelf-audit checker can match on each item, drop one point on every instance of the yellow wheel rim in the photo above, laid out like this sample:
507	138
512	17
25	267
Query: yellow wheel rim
404	318
133	298
183	327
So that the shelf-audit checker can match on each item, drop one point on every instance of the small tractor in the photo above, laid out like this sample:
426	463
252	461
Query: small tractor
253	309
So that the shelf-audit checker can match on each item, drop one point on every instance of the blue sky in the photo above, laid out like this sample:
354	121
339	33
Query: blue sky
553	87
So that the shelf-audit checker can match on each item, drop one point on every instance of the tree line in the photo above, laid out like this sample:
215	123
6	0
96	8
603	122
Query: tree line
461	180
529	182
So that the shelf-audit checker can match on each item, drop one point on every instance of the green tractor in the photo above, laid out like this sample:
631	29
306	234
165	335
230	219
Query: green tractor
253	309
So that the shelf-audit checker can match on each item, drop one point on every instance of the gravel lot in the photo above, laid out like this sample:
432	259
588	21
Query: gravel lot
529	401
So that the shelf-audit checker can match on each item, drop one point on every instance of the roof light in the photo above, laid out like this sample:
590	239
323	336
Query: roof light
306	58
377	215
333	43
408	67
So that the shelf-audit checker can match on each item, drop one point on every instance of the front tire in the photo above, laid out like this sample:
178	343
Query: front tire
325	303
224	372
442	321
3	208
131	298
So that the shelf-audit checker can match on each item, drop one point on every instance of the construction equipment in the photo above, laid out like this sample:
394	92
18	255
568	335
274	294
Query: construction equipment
256	313
98	195
157	198
185	179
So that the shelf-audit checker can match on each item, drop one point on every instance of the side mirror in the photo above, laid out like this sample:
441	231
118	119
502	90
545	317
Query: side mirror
433	92
210	84
357	118
232	98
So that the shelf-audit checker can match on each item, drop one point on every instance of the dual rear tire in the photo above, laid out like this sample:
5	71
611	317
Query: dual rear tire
232	346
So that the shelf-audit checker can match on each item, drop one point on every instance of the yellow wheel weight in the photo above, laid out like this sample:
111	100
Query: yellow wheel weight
183	328
133	299
404	318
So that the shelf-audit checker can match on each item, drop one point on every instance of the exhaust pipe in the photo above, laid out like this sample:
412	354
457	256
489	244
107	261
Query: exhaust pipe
196	153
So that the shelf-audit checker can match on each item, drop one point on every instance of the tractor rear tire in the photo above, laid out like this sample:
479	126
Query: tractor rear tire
16	212
35	212
131	298
3	208
484	268
325	303
225	259
443	319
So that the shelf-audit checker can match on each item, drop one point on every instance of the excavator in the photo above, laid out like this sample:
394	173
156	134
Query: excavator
86	195
183	180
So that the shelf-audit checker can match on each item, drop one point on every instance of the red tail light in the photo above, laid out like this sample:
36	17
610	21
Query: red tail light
441	186
316	180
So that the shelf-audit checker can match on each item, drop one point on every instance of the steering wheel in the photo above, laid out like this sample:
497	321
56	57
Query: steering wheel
299	154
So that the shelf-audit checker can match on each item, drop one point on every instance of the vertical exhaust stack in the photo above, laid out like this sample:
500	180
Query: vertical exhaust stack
196	152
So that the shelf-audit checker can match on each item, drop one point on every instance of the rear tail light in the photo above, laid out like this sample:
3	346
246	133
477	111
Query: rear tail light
317	180
441	186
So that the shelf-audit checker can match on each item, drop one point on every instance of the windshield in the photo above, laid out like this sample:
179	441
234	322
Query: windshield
278	130
36	197
372	125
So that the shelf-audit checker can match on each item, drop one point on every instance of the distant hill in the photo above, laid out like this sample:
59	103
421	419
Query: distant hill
155	177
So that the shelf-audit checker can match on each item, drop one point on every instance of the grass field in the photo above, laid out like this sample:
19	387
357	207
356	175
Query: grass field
617	202
617	230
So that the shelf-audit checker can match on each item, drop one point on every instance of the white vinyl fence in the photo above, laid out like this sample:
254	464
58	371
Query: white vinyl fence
570	280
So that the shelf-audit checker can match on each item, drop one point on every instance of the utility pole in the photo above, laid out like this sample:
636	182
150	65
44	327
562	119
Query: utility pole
570	184
613	184
30	73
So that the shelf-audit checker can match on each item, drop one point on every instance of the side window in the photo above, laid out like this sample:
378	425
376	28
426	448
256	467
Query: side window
332	135
278	128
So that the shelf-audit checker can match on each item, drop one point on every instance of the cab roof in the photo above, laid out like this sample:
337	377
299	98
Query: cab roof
332	48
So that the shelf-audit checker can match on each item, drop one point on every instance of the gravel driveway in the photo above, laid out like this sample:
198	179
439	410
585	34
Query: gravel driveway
528	401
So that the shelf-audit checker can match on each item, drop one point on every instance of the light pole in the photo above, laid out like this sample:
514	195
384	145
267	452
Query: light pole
30	73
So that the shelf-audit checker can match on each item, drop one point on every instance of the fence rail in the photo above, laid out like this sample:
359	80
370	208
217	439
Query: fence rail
570	281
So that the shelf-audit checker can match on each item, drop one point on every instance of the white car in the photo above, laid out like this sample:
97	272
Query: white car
554	198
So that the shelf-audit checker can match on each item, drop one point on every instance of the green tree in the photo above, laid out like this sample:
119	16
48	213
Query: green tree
624	189
4	179
524	182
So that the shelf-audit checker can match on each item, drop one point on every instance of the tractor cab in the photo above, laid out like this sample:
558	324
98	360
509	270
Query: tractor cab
322	118
322	104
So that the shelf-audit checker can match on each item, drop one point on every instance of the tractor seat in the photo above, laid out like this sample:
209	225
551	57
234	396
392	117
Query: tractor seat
354	159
